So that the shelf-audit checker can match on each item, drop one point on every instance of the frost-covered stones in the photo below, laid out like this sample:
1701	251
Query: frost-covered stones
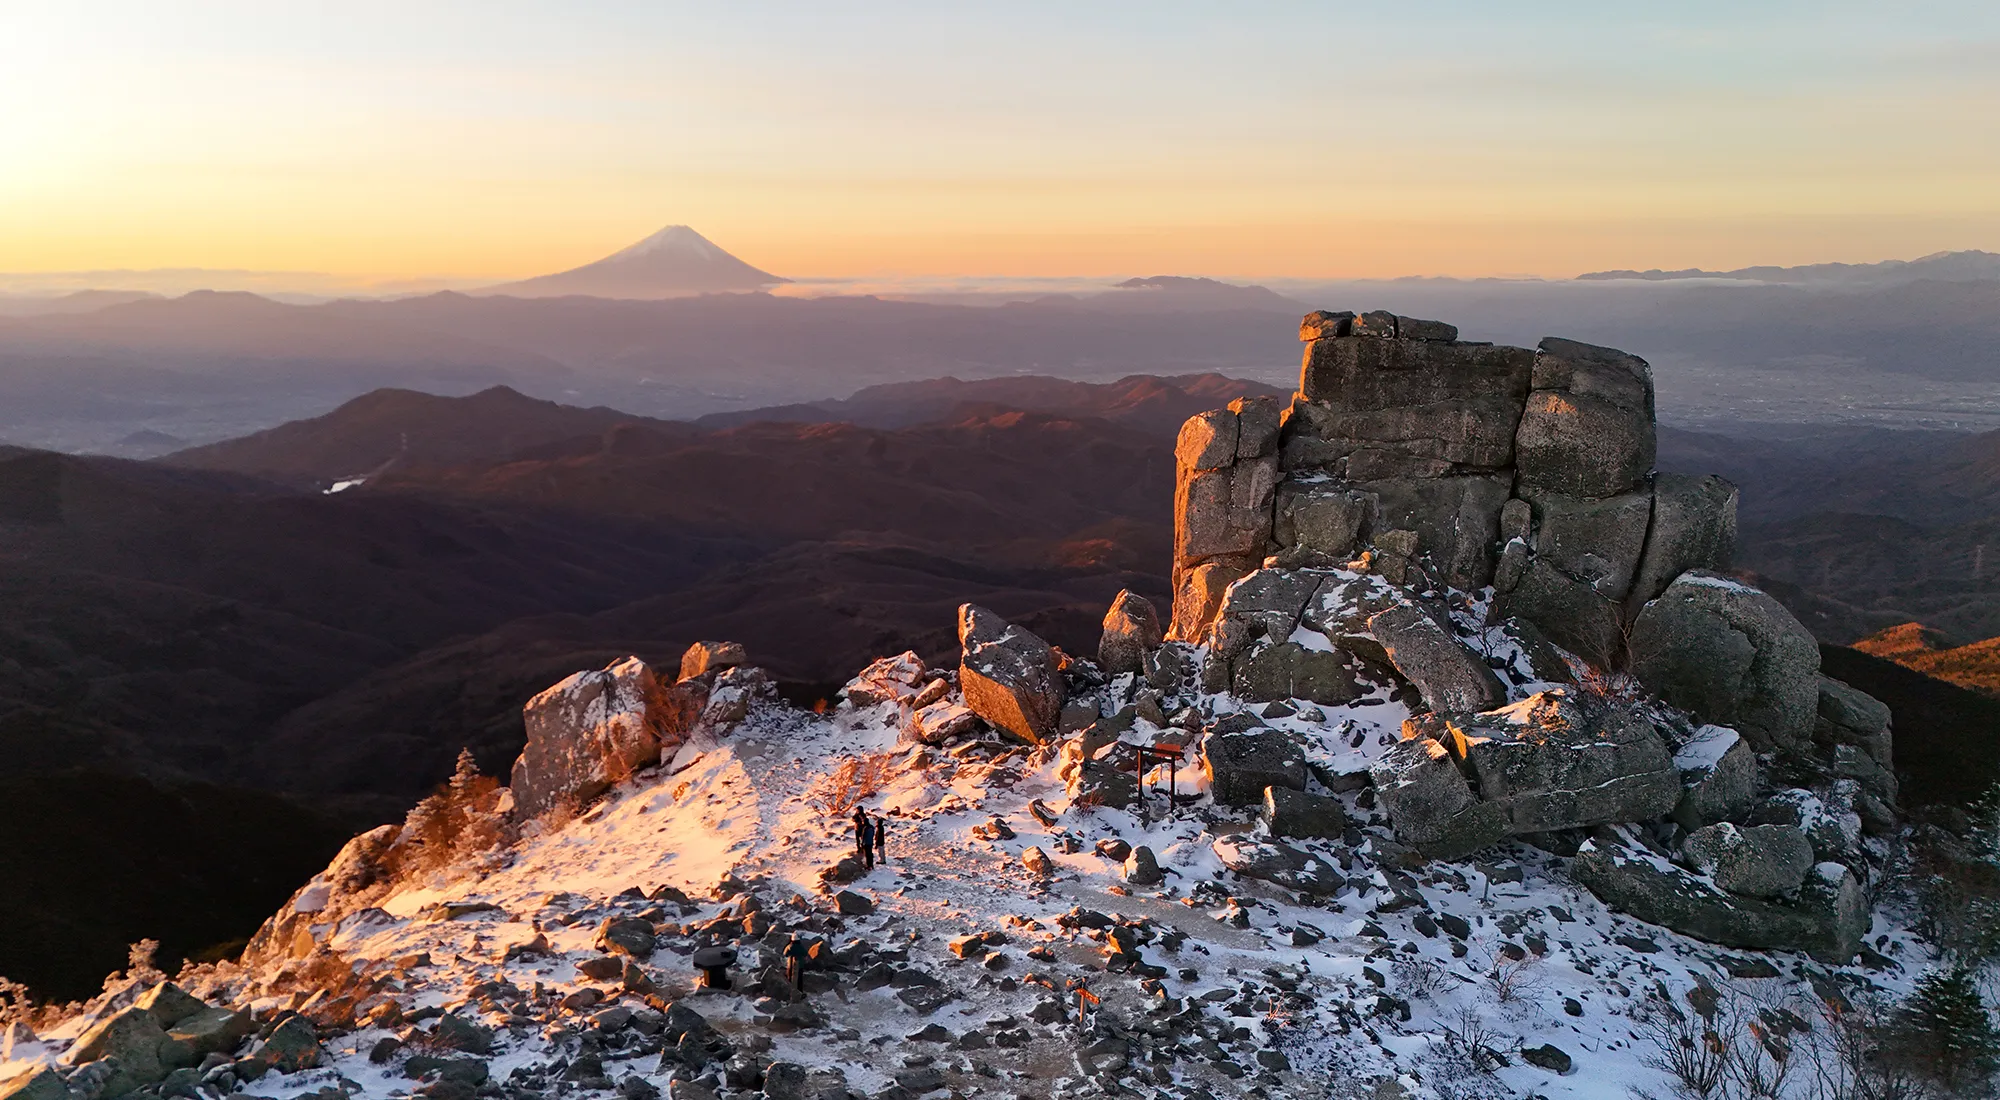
1826	918
1430	805
1008	676
1760	861
940	722
1550	762
1131	631
1719	777
1240	765
1292	813
595	729
1450	677
1731	655
1279	863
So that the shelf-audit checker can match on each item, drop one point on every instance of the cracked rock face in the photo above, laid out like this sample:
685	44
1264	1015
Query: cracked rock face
1552	763
1008	676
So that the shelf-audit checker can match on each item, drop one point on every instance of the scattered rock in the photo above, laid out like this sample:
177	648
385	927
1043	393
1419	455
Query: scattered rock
852	904
1450	677
1038	862
1550	1057
627	936
1009	676
1142	869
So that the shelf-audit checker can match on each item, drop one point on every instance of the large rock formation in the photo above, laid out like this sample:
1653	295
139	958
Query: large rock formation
1131	634
1427	460
1008	676
594	730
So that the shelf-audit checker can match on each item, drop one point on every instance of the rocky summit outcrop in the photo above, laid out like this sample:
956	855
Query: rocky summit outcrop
595	729
1442	463
1449	526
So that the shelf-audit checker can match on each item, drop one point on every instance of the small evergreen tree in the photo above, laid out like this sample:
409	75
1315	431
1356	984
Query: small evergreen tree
1944	1026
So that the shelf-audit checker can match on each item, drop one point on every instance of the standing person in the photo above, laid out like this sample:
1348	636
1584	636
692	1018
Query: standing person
795	963
881	839
864	838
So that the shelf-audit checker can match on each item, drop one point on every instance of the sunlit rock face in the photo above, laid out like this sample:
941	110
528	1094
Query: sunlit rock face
597	728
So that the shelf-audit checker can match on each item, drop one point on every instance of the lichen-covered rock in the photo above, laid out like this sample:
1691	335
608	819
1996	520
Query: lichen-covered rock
1226	473
38	1084
214	1030
1199	591
1693	527
1450	677
1279	863
1550	763
1586	428
291	1046
1131	631
1290	670
1142	868
594	730
1571	612
1008	675
1731	655
1597	541
1759	861
1293	813
1826	921
1240	765
1430	805
1719	777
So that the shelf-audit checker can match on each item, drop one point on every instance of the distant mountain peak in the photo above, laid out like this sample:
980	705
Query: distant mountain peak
1965	265
673	262
680	239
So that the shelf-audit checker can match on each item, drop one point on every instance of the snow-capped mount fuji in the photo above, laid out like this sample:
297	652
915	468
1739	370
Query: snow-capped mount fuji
674	262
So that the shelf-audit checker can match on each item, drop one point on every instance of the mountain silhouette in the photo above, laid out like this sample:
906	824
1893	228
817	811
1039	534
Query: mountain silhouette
673	262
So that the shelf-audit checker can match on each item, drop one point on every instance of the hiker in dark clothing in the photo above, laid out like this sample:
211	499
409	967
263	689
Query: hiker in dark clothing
864	838
881	839
795	963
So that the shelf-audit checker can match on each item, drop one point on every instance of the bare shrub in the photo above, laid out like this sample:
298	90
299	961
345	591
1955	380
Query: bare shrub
1419	976
1513	979
857	778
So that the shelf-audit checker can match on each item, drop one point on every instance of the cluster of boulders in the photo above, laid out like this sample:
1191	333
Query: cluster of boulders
167	1043
1425	504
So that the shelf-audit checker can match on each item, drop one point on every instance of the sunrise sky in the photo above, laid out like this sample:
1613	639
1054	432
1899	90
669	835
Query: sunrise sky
499	139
